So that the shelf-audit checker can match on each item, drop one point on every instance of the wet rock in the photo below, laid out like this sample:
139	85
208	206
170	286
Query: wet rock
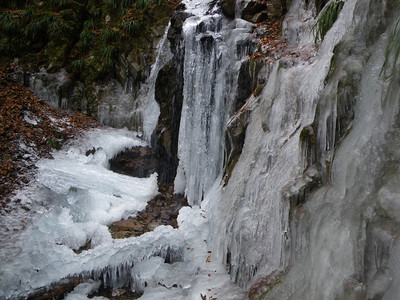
234	139
255	12
277	8
85	247
169	95
136	162
228	8
261	288
175	31
163	209
297	191
57	290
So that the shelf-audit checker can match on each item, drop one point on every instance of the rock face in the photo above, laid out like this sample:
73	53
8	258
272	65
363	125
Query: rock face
137	162
228	7
255	12
81	79
169	95
162	210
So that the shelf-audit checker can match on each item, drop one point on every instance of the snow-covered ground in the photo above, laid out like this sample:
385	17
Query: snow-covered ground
73	200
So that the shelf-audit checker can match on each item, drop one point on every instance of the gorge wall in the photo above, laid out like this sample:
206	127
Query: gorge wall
310	210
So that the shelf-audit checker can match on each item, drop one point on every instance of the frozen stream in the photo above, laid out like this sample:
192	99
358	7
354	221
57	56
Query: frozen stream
74	198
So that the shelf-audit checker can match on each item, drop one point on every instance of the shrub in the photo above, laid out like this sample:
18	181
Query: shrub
78	65
28	14
108	35
9	23
326	19
130	26
392	53
145	3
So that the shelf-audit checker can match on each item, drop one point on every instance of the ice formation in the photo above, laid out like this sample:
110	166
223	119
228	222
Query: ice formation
214	47
313	196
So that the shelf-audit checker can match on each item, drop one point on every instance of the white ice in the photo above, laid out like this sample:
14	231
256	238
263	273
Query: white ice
73	200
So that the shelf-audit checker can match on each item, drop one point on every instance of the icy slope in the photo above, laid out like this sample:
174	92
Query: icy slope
312	195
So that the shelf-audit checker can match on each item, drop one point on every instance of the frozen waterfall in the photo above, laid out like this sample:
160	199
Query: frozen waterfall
214	47
310	210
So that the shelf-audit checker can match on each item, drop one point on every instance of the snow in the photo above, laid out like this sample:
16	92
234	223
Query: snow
83	290
31	119
74	199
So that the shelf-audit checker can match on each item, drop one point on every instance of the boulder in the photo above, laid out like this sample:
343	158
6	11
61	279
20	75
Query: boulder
255	12
228	8
136	162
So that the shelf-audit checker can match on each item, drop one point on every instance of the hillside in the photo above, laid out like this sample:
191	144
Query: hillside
29	129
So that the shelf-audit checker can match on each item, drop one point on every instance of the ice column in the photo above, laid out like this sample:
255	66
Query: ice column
214	47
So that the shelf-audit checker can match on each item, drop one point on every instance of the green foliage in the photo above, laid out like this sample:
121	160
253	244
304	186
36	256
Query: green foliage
28	14
392	53
95	12
89	24
126	3
60	3
78	65
277	281
53	144
107	56
9	23
146	3
131	27
87	35
108	34
35	29
113	3
76	34
319	4
106	52
326	19
45	25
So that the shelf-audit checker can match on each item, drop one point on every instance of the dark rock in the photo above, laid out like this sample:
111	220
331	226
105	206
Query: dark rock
236	129
297	191
136	162
260	17
245	83
161	210
277	8
175	31
91	151
234	140
85	247
255	12
169	95
228	8
56	290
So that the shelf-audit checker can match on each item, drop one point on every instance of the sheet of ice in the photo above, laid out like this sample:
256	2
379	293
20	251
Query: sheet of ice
147	109
214	47
83	290
250	220
74	198
200	272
